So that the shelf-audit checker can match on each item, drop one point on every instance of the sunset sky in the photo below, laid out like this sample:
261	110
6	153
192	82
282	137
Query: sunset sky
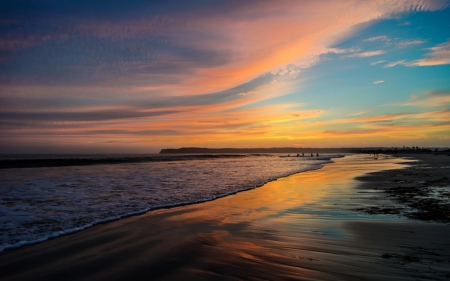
137	76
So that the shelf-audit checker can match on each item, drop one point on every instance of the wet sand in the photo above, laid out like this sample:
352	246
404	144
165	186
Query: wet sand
303	227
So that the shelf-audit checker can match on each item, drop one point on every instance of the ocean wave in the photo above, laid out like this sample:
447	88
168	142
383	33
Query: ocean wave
43	203
86	160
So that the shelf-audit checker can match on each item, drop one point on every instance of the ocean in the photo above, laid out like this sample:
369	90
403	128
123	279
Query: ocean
38	202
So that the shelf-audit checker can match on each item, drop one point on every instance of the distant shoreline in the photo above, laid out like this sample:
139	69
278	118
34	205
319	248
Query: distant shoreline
196	153
371	150
188	150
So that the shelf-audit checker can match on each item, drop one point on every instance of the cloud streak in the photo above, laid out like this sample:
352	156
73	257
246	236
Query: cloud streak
406	43
434	98
395	63
368	54
382	38
439	55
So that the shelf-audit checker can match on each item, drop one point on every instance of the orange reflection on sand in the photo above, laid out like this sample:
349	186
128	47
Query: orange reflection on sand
281	227
293	191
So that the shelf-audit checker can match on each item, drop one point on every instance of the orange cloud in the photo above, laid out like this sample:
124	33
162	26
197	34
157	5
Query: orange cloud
440	115
378	118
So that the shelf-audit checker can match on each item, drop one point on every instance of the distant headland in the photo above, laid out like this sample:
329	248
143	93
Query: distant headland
387	150
185	150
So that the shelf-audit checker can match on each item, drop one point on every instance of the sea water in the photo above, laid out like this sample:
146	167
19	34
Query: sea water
41	203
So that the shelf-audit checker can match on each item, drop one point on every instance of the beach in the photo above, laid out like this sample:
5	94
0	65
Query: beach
341	222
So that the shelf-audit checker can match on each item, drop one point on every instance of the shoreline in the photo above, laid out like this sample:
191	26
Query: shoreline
299	227
55	235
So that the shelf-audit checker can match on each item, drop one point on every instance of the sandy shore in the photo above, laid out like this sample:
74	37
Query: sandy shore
420	191
309	226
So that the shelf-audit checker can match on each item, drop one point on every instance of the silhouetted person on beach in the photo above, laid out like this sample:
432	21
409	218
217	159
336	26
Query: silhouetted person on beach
317	154
303	154
298	155
312	155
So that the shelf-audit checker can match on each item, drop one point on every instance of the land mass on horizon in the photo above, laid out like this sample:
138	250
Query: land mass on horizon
185	150
188	150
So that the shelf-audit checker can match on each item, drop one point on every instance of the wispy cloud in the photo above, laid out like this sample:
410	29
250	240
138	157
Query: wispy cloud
439	115
405	23
368	54
395	41
358	113
378	82
395	63
243	94
368	119
408	131
435	98
377	62
439	55
57	116
377	38
356	132
409	125
406	43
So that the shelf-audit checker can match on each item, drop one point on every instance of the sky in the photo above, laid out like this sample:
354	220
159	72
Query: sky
138	76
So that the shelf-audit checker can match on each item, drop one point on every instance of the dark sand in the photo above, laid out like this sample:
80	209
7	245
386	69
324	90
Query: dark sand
420	191
303	227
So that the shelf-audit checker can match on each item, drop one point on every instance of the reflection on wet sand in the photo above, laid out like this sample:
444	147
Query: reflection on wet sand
296	228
